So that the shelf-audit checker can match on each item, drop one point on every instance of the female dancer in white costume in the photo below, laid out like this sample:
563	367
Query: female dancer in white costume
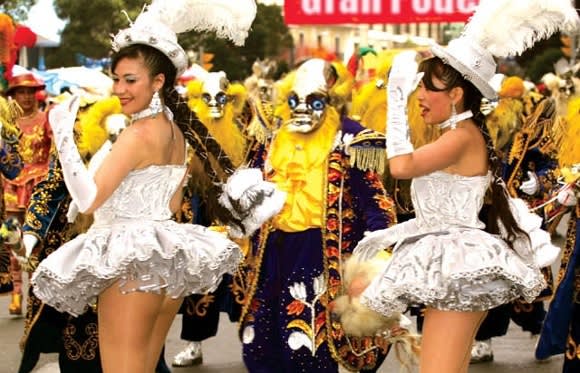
446	258
135	262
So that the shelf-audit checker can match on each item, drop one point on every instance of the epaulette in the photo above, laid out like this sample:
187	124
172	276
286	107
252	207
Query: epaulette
367	151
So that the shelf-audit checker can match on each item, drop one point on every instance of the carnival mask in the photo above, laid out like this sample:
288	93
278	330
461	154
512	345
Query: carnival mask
309	98
214	95
265	90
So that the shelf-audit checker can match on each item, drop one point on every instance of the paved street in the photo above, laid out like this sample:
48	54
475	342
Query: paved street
222	354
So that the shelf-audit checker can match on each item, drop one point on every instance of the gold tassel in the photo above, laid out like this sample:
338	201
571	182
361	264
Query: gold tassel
367	158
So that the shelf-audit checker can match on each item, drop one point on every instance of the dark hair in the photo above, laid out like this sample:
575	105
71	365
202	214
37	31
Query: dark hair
154	59
435	68
215	161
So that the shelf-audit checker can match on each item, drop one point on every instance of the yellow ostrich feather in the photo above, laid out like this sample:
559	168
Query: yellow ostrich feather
240	95
569	153
360	102
503	122
385	61
341	91
284	87
374	115
9	112
91	125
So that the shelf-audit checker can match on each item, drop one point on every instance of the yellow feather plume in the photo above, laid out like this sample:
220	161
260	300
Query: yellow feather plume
341	90
570	146
503	122
224	130
91	125
9	112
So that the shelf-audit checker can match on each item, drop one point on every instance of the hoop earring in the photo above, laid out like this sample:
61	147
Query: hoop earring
155	106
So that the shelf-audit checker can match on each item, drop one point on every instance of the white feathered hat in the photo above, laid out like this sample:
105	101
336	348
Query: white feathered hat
160	22
503	28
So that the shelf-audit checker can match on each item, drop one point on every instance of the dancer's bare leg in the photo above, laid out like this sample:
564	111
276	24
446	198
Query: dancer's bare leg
447	339
164	320
126	329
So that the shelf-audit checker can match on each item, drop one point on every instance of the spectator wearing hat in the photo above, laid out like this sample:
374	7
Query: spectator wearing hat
34	145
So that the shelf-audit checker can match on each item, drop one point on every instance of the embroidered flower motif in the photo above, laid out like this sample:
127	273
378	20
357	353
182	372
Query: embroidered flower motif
298	291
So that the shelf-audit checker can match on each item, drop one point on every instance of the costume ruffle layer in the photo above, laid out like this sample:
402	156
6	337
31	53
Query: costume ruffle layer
150	256
460	269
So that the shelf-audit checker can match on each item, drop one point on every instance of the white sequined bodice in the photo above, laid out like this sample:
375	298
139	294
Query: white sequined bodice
143	194
443	200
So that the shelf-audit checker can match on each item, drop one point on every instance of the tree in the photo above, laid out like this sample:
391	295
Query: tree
90	26
17	9
269	37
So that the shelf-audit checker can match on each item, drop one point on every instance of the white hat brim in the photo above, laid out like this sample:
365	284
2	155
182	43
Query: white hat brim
484	87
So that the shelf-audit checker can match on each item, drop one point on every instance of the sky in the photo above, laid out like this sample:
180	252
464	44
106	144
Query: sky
42	19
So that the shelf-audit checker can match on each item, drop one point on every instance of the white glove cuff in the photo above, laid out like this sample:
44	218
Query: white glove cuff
29	242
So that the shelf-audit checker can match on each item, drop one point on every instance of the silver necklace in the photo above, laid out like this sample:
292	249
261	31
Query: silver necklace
151	113
454	119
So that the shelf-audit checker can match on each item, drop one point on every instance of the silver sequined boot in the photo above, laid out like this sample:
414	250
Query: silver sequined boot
190	356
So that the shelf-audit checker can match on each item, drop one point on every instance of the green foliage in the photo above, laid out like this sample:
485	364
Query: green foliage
269	37
90	26
17	9
543	64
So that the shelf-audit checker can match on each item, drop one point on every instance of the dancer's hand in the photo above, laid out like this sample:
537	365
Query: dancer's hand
62	120
373	243
567	197
403	77
532	185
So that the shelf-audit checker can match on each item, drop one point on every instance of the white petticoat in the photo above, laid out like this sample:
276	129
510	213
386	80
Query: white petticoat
180	259
461	269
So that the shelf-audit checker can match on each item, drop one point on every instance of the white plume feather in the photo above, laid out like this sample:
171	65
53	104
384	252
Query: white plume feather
230	19
509	27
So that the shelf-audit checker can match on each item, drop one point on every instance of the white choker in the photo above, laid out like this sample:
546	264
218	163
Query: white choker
452	122
151	113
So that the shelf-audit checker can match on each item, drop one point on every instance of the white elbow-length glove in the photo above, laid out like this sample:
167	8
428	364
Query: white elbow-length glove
377	241
78	180
403	80
94	164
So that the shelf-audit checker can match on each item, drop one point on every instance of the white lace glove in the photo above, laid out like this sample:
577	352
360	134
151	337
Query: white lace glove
77	178
532	185
567	197
403	80
251	199
539	248
94	164
377	241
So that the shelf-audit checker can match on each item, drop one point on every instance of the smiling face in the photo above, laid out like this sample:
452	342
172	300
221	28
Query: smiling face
133	84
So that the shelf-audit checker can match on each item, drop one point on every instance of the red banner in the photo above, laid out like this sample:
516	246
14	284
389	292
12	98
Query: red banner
319	12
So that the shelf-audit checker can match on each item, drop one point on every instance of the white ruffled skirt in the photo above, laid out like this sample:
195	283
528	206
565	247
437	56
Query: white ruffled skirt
150	256
461	269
